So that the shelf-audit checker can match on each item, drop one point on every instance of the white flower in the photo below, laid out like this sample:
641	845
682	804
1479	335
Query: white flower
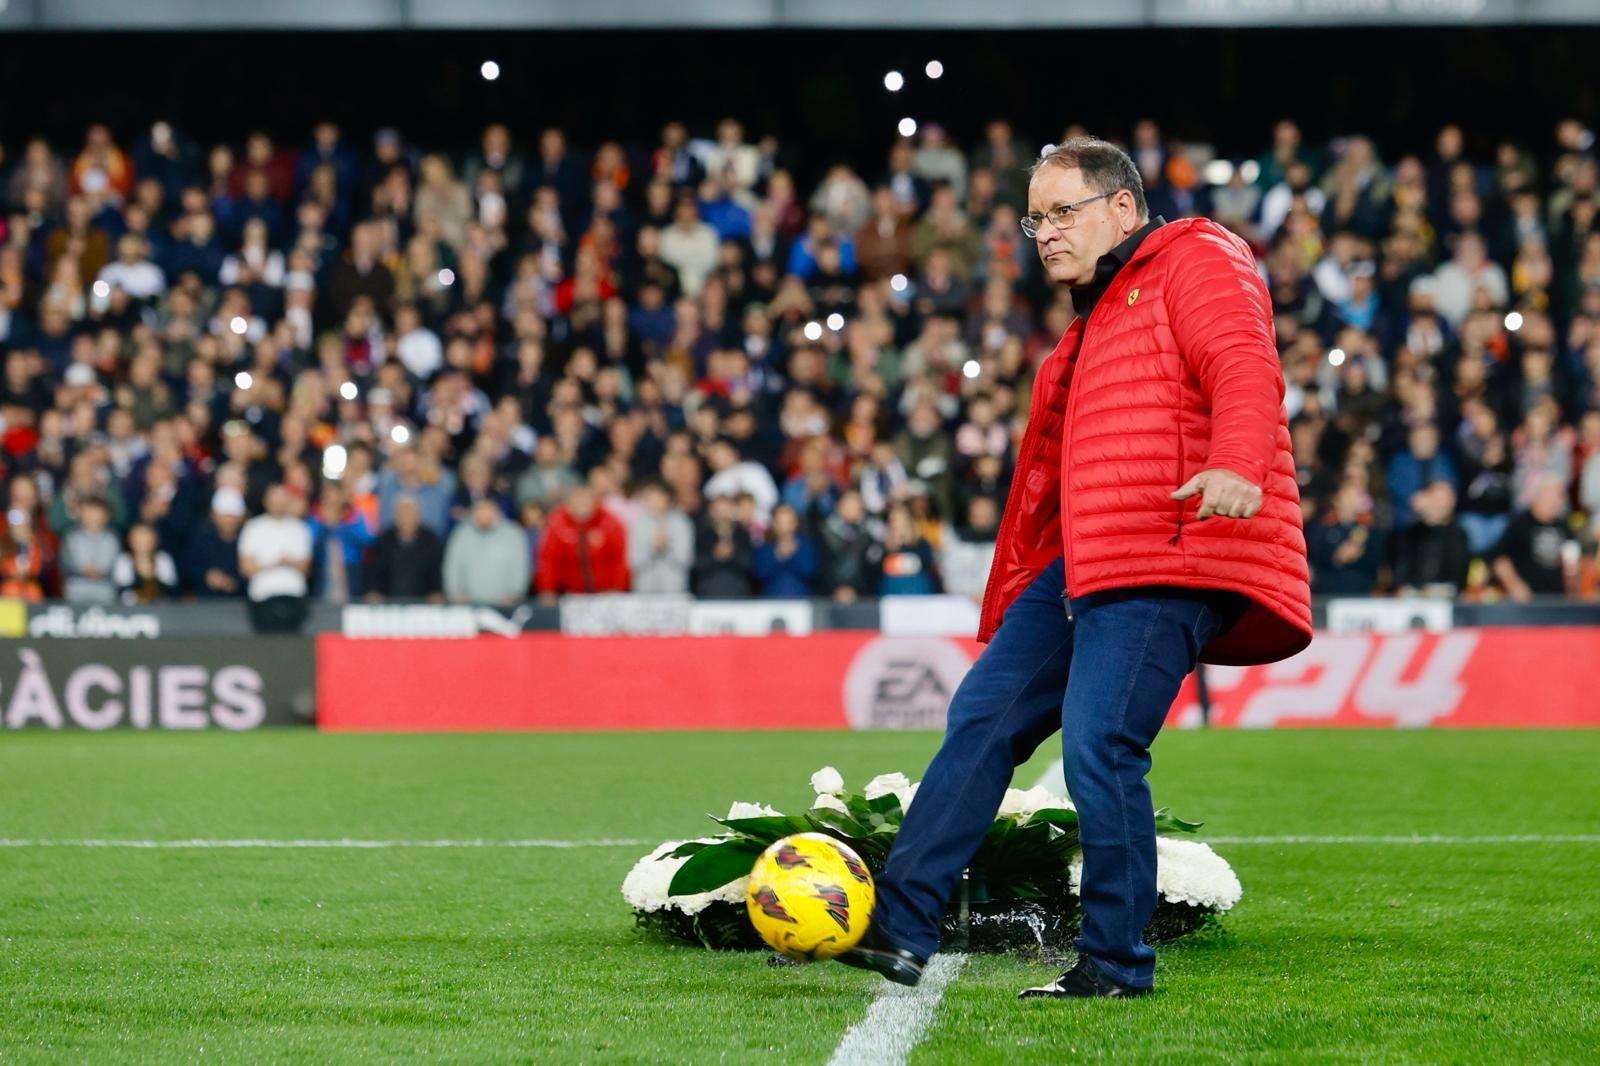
751	810
828	801
884	784
1187	871
1023	803
827	780
645	887
905	794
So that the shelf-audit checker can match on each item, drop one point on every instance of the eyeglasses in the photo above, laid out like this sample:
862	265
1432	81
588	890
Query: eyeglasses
1059	216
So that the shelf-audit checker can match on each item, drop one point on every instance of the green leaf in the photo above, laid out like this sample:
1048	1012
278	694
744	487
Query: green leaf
1166	822
766	828
1065	817
688	848
860	809
875	848
887	804
827	820
714	866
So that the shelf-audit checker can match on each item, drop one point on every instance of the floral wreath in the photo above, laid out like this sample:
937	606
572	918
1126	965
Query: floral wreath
1020	891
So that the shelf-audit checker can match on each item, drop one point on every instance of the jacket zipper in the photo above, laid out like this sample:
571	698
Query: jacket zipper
1072	399
1066	430
1179	531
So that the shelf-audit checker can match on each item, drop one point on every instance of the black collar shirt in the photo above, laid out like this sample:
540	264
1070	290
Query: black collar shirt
1085	297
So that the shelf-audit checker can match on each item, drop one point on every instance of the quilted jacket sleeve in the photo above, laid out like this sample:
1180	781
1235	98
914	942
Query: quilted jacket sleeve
1221	317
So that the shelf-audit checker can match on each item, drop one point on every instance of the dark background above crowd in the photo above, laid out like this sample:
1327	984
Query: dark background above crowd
819	89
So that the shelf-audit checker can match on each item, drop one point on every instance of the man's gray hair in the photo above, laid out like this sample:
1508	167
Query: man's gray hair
1105	167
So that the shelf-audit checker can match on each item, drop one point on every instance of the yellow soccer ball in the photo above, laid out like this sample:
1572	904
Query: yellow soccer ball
810	896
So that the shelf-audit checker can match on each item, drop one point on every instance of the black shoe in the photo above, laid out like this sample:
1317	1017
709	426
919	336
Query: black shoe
1085	980
874	952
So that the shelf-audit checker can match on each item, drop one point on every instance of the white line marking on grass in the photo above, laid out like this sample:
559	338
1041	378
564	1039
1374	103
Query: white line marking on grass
1510	838
897	1018
1052	779
343	843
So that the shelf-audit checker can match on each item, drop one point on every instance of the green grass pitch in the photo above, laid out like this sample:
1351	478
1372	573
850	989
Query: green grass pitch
1425	953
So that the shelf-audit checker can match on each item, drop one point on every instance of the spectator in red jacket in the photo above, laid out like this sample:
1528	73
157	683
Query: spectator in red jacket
584	548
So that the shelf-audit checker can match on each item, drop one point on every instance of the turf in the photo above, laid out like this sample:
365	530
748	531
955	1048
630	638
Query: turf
1338	953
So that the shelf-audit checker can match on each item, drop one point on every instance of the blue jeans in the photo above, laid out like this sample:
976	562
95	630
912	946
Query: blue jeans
1105	676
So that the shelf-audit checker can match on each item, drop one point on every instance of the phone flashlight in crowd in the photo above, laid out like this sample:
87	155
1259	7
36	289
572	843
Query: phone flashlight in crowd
334	461
17	516
349	391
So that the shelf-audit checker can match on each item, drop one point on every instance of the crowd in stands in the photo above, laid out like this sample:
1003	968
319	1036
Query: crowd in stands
386	371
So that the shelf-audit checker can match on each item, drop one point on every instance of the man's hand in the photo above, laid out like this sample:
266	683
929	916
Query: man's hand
1224	493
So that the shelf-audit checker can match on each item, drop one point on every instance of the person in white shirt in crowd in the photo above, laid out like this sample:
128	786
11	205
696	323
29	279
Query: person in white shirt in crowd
690	246
299	298
275	557
940	160
132	271
416	346
733	474
843	199
1234	204
660	544
256	262
1279	199
144	573
1332	272
729	152
88	552
487	559
1456	283
967	548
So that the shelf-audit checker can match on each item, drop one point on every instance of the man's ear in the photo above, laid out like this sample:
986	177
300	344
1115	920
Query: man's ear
1129	208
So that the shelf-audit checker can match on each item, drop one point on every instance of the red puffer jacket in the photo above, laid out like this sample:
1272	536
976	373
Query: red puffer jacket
1175	372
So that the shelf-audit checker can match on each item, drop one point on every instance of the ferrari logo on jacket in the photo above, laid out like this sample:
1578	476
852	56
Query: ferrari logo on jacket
1132	296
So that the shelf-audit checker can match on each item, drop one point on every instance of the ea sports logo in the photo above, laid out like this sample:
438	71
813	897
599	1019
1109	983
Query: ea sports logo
903	682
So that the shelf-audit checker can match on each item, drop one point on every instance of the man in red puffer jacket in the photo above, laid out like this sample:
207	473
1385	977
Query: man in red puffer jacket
583	548
1153	522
